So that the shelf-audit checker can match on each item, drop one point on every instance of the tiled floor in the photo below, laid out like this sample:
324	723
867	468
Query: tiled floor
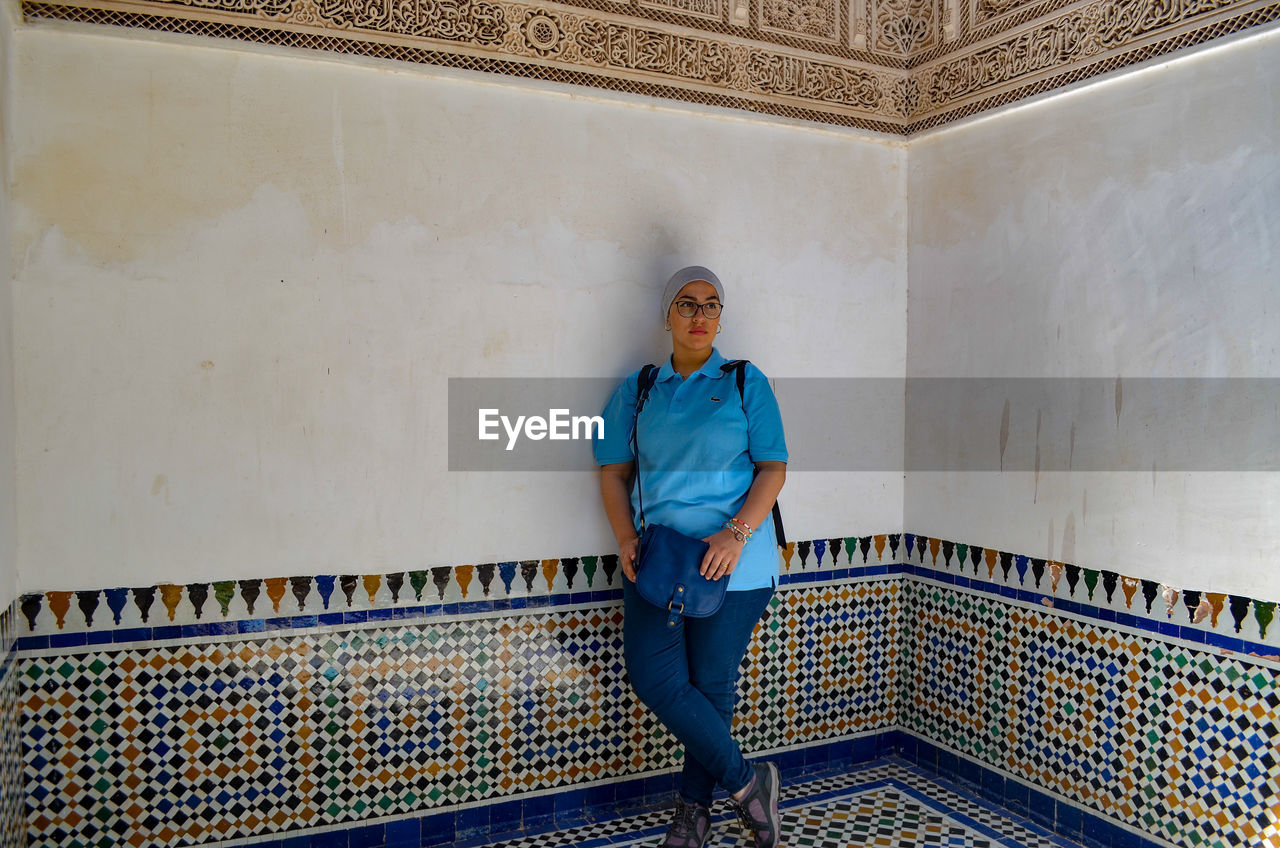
885	804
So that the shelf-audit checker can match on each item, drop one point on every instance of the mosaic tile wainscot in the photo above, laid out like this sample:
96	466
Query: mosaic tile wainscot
13	830
417	708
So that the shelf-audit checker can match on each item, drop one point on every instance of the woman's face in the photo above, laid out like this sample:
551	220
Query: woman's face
696	334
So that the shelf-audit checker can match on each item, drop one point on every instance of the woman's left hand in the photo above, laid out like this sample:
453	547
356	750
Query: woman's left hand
722	555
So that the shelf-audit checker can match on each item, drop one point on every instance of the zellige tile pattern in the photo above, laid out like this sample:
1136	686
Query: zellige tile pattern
152	745
13	824
1159	720
1174	741
887	805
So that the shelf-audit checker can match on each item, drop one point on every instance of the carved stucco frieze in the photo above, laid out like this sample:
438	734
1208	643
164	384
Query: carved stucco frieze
819	19
1079	35
474	21
858	24
1119	23
737	68
950	19
1064	40
904	27
710	9
936	65
984	12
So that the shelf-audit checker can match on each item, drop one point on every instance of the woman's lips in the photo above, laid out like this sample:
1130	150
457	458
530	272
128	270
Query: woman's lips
698	331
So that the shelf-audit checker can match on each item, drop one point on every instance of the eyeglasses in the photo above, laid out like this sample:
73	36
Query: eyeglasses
688	309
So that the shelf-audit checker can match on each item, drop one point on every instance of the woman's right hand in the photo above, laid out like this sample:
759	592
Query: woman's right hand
627	556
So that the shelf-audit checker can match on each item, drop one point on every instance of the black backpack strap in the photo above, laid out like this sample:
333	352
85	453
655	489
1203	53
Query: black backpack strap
648	375
739	368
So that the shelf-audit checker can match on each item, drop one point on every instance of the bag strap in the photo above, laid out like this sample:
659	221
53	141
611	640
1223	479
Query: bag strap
739	368
648	375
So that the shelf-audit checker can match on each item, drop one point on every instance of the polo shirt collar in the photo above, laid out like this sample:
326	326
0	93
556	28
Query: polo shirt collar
709	369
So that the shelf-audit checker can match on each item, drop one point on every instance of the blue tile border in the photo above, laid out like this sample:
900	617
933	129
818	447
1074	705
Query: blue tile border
1059	818
566	808
1064	823
547	812
957	816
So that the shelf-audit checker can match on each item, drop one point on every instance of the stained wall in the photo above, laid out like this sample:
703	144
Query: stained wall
1127	230
12	826
8	414
245	279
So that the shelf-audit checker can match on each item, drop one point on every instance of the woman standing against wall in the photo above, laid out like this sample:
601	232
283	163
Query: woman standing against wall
710	454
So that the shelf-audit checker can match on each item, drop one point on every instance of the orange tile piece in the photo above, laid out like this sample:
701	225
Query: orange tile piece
1217	600
60	604
275	590
463	574
549	569
170	596
372	583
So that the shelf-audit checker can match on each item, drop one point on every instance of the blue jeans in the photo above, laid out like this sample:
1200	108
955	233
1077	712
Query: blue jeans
688	676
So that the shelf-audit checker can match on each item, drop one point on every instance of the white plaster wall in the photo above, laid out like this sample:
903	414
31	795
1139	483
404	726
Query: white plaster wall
243	279
8	414
1131	228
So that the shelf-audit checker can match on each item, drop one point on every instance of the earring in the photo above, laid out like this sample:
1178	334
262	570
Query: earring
668	328
719	329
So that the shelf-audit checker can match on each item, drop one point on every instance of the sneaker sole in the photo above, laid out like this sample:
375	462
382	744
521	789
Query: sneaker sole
775	779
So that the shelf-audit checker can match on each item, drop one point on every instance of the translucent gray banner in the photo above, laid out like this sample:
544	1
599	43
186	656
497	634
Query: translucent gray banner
917	424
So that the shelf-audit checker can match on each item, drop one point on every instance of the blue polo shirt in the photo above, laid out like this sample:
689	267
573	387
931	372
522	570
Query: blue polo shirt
699	443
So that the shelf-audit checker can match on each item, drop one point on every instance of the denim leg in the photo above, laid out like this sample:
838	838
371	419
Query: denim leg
715	672
687	675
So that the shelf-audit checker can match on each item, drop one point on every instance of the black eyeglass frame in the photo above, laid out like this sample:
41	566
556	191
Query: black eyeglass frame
690	308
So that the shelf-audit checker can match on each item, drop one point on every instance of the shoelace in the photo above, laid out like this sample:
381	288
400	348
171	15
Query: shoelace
747	822
686	824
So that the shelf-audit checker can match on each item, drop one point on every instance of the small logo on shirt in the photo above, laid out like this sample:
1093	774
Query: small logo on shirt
715	400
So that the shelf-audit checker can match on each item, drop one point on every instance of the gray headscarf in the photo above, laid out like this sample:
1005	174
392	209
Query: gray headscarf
682	278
